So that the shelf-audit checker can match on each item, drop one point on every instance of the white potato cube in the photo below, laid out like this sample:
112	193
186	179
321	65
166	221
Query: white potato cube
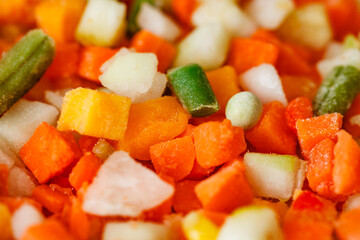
265	83
308	25
19	123
124	187
269	14
102	23
225	12
333	49
23	218
133	75
207	46
349	57
155	21
135	231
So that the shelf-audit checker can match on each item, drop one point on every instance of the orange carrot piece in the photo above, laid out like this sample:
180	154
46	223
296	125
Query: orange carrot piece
79	223
247	53
51	199
299	86
4	173
271	134
85	170
344	16
185	199
174	158
346	164
66	61
91	59
158	213
144	41
309	217
49	229
49	152
18	12
319	170
217	143
350	124
183	10
299	108
346	226
223	81
59	18
188	131
151	122
313	130
198	172
226	190
215	117
87	143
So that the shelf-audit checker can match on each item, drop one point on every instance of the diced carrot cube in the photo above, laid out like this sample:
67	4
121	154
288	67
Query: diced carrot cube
4	172
346	226
271	134
49	229
85	170
313	130
217	143
226	190
185	199
51	199
299	108
49	152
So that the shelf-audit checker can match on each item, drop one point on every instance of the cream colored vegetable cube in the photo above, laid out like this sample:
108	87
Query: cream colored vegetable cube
102	23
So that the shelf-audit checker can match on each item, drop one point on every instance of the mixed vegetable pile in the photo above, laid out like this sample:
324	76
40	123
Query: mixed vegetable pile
179	119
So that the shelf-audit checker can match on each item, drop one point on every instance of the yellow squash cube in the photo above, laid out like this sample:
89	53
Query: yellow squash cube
95	113
197	227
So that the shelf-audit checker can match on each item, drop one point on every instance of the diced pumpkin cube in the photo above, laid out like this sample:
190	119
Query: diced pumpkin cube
95	113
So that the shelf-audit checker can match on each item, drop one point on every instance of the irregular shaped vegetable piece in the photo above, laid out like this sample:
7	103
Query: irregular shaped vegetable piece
95	113
244	110
251	222
152	122
198	227
50	198
299	108
124	187
337	91
191	86
132	26
5	222
49	229
23	65
346	226
20	182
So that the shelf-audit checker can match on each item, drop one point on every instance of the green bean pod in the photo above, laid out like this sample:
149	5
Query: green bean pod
191	86
23	65
337	91
132	26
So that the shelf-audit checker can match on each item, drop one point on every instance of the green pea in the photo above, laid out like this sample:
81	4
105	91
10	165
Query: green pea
244	110
337	91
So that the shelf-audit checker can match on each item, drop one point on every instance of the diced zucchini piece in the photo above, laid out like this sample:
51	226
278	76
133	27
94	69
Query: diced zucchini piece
273	175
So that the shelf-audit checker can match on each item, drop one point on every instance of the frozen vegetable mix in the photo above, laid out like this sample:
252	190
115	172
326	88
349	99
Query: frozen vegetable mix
179	119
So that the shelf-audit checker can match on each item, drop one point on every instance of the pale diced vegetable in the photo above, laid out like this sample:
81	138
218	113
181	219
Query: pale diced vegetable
102	23
265	83
21	182
134	75
197	227
23	218
333	49
250	223
7	157
273	175
349	57
155	21
308	25
225	12
135	231
19	123
55	98
123	187
269	14
206	45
